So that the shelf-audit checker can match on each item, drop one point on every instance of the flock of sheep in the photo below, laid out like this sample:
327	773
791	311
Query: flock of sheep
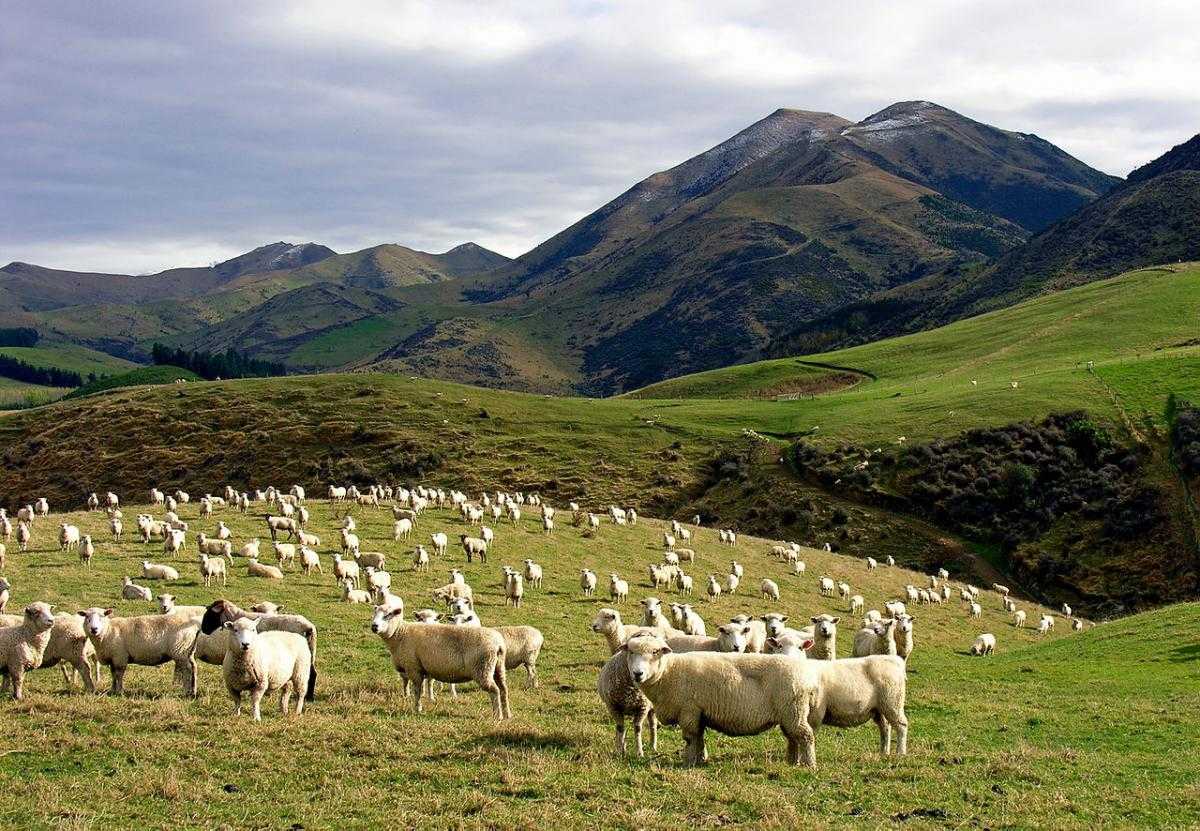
750	675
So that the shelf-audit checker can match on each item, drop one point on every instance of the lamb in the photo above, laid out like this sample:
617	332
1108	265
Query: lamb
857	604
844	591
5	591
285	553
131	591
825	637
154	571
985	644
714	588
731	583
587	582
167	605
420	559
259	663
872	564
87	550
146	640
1066	610
474	547
345	569
446	653
117	528
353	595
452	591
683	583
618	589
440	542
1076	625
735	694
68	537
533	574
623	698
769	589
68	647
256	569
23	646
514	589
1019	618
827	587
211	568
310	560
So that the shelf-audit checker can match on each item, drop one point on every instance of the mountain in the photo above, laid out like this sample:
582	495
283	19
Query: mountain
35	288
797	216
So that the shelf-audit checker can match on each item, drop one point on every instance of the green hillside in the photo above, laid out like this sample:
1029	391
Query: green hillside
1074	730
18	395
69	357
144	376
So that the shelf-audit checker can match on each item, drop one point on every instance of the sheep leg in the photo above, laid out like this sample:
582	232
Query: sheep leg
419	682
531	670
236	695
85	673
256	697
620	747
118	679
68	672
653	729
900	722
885	734
285	698
17	673
502	683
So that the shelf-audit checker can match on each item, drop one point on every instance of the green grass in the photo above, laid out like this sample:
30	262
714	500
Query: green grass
15	395
72	358
764	379
1084	730
145	376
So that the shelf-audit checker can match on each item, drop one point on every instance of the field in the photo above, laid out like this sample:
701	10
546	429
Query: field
17	394
72	358
1033	737
142	376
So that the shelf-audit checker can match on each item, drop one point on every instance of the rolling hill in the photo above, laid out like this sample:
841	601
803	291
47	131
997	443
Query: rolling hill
679	456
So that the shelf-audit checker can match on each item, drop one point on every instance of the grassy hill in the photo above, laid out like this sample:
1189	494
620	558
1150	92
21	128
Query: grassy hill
69	357
16	395
1076	730
143	376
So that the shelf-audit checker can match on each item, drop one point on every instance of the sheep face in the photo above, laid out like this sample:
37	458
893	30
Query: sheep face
643	658
381	621
166	602
606	620
245	632
826	626
789	647
733	637
95	620
41	615
774	623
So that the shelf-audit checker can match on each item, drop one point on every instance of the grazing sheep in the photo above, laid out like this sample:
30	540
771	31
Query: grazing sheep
446	653
440	542
999	589
5	591
420	559
174	541
261	662
733	693
256	569
401	529
23	646
975	610
474	547
686	555
683	583
731	583
825	637
618	589
587	582
310	560
827	587
154	571
285	553
623	698
280	524
985	644
1045	624
371	559
769	589
1019	618
211	568
345	569
68	537
145	640
798	567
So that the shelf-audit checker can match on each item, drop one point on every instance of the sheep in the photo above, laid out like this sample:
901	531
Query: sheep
279	524
23	646
985	644
87	550
41	507
798	567
131	591
266	607
587	582
999	589
385	598
310	560
686	555
1045	625
1019	618
844	591
154	571
1077	625
68	537
872	564
975	610
623	698
259	663
215	547
212	568
223	532
522	647
608	623
769	589
652	616
167	605
420	559
618	589
5	592
452	591
876	639
353	595
285	553
683	583
117	528
371	559
251	549
256	569
211	643
377	579
1066	610
825	636
714	588
451	654
731	583
791	645
145	640
307	539
68	647
758	631
440	542
345	569
514	589
533	574
827	587
173	541
473	547
692	623
660	575
24	536
401	529
734	694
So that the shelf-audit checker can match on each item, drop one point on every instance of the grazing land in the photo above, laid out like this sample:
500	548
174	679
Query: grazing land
1055	731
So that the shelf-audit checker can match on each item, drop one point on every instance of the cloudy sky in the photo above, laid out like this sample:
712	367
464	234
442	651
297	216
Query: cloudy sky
136	136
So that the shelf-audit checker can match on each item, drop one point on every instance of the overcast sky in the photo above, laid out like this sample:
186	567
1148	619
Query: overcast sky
136	136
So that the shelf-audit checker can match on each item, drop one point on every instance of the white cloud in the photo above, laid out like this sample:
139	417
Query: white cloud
146	135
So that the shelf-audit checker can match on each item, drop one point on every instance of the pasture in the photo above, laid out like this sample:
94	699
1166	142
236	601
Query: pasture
1069	730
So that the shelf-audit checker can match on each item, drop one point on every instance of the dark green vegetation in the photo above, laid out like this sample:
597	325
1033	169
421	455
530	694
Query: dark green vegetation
145	376
50	376
227	364
1057	732
19	336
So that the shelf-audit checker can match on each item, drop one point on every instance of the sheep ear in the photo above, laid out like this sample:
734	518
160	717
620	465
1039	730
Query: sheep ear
807	645
746	630
773	643
816	620
108	612
836	619
81	613
665	650
227	624
623	647
783	618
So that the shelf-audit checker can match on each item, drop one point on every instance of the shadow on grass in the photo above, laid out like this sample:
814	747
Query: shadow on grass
524	740
1185	654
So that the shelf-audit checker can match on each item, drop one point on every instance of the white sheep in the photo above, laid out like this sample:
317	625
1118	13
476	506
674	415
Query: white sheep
857	604
87	550
146	640
618	589
975	610
731	583
68	537
440	542
310	560
985	644
825	637
155	571
211	568
827	587
5	592
353	595
1019	618
420	559
261	662
533	574
256	569
23	646
769	589
587	582
623	698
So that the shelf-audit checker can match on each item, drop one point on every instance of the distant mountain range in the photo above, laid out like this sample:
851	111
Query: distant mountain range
801	232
